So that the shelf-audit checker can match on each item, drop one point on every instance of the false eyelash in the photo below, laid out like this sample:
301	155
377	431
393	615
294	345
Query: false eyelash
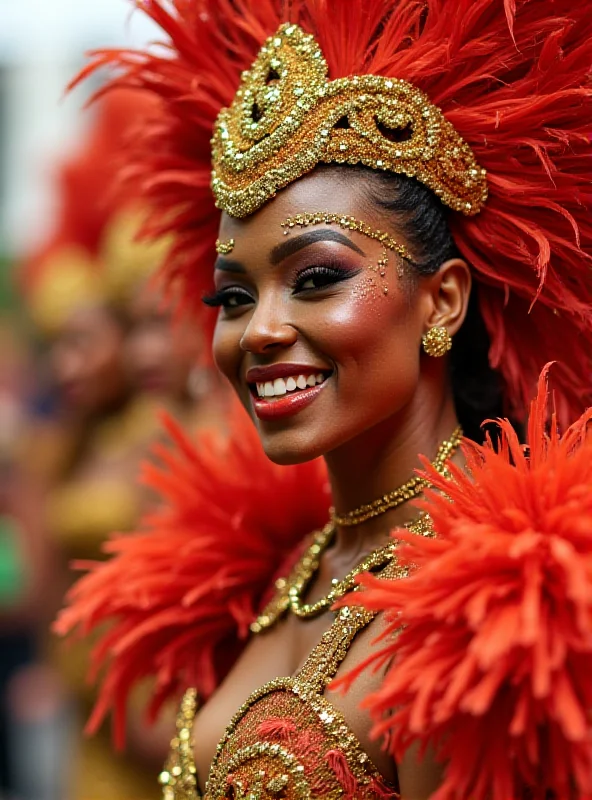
337	273
213	300
217	299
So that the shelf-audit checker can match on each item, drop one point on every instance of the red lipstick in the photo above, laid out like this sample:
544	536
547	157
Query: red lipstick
272	408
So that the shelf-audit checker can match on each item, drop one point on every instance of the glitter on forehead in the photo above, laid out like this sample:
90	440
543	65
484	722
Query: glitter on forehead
287	117
349	223
224	248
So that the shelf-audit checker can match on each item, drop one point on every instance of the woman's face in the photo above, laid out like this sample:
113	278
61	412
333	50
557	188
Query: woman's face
315	322
160	352
87	363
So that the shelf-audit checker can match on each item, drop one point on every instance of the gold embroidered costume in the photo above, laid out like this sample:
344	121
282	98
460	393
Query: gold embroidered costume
288	741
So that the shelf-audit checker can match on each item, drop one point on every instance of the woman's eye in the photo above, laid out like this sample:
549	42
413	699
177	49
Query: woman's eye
232	297
319	277
234	300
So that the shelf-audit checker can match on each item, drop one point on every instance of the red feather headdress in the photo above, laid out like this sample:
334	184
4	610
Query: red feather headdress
489	643
89	200
513	78
179	596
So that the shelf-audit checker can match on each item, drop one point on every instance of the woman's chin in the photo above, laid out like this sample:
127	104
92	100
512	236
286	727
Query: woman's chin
290	448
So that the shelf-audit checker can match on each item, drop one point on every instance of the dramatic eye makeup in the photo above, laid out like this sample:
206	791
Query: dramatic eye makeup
322	272
347	222
228	297
319	274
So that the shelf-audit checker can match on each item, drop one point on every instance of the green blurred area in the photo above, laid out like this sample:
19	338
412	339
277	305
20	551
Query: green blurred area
8	296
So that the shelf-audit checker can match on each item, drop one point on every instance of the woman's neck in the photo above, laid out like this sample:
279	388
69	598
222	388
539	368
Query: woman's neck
382	459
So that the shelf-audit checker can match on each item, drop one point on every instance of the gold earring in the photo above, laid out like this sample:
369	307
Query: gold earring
437	341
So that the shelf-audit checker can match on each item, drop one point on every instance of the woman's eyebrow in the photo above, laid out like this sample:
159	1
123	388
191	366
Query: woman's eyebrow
293	245
228	265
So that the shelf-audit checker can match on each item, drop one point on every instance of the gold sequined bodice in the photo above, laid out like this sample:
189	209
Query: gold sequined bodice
287	741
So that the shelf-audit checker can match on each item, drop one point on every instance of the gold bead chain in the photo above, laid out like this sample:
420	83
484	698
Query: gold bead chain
311	561
291	588
397	497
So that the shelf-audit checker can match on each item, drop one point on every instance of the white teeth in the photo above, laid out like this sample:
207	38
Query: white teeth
281	386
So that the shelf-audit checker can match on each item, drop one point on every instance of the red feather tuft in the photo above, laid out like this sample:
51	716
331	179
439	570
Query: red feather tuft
180	595
491	638
88	194
513	77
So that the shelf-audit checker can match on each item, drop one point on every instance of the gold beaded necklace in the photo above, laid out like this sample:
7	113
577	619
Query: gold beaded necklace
413	487
311	560
310	564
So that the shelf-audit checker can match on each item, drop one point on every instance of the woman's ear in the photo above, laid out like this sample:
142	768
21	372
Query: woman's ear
448	291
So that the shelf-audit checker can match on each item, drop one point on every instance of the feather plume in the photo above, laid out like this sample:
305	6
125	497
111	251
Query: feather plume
489	642
179	595
88	193
512	76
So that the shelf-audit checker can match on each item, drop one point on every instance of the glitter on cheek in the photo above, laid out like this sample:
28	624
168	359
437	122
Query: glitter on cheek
375	285
366	289
380	271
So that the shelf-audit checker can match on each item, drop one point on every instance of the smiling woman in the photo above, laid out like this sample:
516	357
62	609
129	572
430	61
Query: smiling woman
396	239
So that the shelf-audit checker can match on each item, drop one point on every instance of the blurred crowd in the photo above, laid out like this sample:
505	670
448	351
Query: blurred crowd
90	355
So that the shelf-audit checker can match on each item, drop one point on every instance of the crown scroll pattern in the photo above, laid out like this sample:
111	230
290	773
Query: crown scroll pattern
287	117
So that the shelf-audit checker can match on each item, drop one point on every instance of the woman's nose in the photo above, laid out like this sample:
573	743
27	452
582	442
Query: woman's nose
268	328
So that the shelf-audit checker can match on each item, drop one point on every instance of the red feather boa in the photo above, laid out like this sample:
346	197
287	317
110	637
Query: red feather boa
180	595
491	638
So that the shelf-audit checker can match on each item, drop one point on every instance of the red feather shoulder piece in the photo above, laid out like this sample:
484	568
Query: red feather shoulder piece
178	597
489	642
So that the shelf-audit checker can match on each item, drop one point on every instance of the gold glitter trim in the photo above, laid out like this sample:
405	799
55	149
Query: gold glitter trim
224	248
349	223
179	776
287	117
310	565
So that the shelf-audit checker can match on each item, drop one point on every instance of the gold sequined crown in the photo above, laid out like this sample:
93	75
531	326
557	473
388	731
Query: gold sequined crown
128	262
287	117
69	280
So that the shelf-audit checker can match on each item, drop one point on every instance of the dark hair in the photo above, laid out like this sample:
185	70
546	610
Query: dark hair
423	218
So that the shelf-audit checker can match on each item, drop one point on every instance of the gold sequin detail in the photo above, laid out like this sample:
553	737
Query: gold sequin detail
224	248
397	497
309	566
248	761
178	778
289	590
287	117
253	762
349	223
